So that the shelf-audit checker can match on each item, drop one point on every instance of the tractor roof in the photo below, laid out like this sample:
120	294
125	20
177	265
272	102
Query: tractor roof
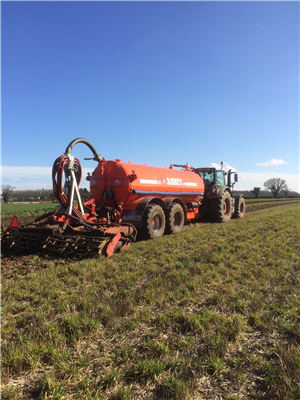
210	169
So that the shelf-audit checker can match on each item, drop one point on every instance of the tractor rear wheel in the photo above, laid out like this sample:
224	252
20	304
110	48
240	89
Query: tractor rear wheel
154	222
240	207
220	209
175	218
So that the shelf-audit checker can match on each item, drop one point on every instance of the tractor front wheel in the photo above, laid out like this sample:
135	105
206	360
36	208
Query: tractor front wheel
154	222
220	209
240	207
175	218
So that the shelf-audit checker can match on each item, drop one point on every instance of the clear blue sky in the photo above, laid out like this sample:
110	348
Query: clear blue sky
151	82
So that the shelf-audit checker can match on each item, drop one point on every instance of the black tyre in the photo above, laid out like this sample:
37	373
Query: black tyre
240	207
175	219
154	222
220	209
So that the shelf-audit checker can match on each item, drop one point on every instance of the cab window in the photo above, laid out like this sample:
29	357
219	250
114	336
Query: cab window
220	178
208	177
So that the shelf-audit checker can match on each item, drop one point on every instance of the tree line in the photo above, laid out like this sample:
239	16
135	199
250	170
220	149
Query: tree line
275	186
9	194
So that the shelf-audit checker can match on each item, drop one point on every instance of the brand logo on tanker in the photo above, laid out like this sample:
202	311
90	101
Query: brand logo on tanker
94	182
116	182
131	216
174	181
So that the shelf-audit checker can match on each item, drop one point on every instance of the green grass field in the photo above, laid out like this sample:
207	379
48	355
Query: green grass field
210	313
22	209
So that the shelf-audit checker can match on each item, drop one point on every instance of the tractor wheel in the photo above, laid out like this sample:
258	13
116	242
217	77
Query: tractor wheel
154	222
175	219
220	209
240	207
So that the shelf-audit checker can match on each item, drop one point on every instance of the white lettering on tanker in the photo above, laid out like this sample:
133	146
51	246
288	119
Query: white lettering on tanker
174	181
190	184
168	181
149	181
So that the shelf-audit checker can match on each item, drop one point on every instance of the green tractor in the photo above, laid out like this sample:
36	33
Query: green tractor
219	202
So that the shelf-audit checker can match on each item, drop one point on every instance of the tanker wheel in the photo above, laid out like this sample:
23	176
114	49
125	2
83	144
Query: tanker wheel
240	207
220	209
154	222
175	219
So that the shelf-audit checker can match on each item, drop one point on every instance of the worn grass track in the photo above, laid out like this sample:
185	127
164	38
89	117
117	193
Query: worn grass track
212	313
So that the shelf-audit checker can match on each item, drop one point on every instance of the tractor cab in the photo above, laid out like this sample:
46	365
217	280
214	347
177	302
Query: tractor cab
212	176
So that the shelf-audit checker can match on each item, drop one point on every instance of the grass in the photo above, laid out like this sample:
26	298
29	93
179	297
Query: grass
211	312
22	209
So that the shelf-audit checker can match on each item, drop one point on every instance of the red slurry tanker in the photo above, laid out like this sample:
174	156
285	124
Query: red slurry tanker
127	200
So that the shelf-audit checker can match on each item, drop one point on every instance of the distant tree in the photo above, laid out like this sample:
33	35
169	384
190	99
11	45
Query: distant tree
256	191
85	194
275	185
6	192
52	196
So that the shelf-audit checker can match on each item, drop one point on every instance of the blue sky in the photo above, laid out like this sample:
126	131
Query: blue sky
151	82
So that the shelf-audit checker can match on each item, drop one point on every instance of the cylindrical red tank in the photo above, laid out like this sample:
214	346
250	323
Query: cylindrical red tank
130	182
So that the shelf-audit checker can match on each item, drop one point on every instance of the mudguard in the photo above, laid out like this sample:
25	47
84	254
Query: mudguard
133	212
216	192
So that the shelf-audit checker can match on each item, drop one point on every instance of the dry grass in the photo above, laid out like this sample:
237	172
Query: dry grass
212	313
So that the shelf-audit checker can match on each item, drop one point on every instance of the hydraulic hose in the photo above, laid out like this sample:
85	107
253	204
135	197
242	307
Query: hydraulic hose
97	157
59	166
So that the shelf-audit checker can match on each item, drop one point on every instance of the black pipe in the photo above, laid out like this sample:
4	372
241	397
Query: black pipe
81	140
38	219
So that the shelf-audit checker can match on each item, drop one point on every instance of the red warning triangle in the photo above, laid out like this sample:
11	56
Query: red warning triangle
14	222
